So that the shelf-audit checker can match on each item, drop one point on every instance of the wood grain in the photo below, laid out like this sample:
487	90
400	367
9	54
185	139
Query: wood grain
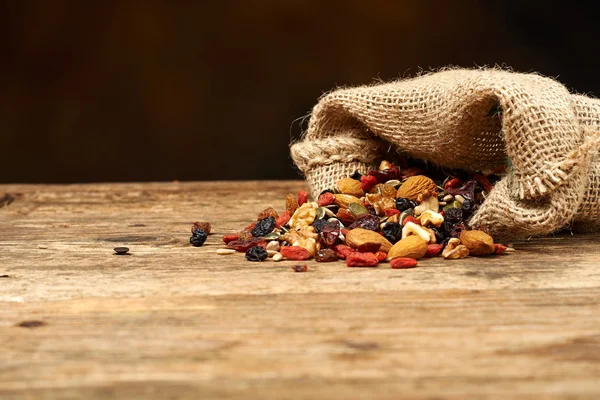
173	321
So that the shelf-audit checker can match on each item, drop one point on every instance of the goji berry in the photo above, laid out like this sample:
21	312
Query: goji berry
250	227
244	245
369	247
294	253
434	249
341	250
381	255
403	262
302	197
345	216
453	183
230	238
362	260
499	248
484	182
283	219
390	211
367	182
345	231
411	219
326	199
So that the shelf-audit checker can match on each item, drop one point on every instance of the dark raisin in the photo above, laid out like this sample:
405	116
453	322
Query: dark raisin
326	255
386	174
330	233
244	245
453	215
319	224
285	243
300	268
264	227
439	234
367	221
392	231
356	175
468	207
467	190
256	253
403	204
121	250
198	237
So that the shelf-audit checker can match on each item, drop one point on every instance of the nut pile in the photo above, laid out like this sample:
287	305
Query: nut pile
395	214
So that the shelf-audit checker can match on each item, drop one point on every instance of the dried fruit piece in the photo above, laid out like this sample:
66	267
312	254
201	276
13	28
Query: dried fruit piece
256	253
302	197
386	174
198	237
230	238
350	186
345	216
367	182
326	199
367	221
330	233
359	236
283	219
369	247
434	249
384	204
264	227
403	262
381	255
342	251
479	243
326	255
412	219
244	245
484	182
392	231
291	203
499	248
411	246
467	190
267	212
416	185
205	226
295	253
452	183
300	268
361	260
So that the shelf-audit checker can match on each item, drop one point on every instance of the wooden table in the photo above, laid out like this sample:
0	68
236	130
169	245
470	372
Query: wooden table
178	322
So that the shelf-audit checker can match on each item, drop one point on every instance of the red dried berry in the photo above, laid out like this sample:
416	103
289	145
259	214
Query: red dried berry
302	197
411	219
342	251
283	219
230	238
369	247
244	245
484	182
300	267
381	255
362	260
294	253
345	216
403	262
250	227
467	190
453	183
391	211
499	248
367	182
326	255
345	231
434	249
330	232
326	199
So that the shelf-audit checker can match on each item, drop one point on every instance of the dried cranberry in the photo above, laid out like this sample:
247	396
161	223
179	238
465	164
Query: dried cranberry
264	227
381	255
410	218
452	183
390	211
392	231
256	253
467	190
434	249
330	232
367	221
386	174
326	255
484	182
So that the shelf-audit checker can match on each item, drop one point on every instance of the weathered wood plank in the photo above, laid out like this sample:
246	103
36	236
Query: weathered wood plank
172	321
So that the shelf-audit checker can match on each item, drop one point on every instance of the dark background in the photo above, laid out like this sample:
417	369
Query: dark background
121	91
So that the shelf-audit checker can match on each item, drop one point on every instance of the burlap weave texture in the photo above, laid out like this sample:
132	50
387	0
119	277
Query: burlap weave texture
547	137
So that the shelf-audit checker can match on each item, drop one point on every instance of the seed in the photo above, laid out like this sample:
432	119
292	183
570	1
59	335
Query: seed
225	251
121	250
42	246
459	198
277	257
273	245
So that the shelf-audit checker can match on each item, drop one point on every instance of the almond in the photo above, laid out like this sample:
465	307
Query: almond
350	186
411	246
416	185
344	200
479	243
358	236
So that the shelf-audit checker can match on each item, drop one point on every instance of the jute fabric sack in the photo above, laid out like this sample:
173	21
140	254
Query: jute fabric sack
547	138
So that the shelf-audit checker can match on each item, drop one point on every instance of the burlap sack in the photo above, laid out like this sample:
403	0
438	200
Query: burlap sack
547	137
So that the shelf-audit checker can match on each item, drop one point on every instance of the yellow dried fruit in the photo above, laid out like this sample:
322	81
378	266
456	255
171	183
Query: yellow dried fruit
411	246
479	243
416	185
350	186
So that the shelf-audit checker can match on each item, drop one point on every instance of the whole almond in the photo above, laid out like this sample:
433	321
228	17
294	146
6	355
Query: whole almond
350	186
411	246
344	200
416	185
358	236
479	243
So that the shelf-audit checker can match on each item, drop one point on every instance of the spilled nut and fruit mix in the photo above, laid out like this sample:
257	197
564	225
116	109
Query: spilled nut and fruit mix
396	214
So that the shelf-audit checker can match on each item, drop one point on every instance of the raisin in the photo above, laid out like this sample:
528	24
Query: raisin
300	267
392	231
356	175
244	245
366	221
326	199
263	227
386	174
467	190
198	237
294	253
291	204
439	234
319	224
302	197
453	215
468	207
205	226
368	247
326	255
342	251
403	204
267	212
330	232
256	253
357	259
